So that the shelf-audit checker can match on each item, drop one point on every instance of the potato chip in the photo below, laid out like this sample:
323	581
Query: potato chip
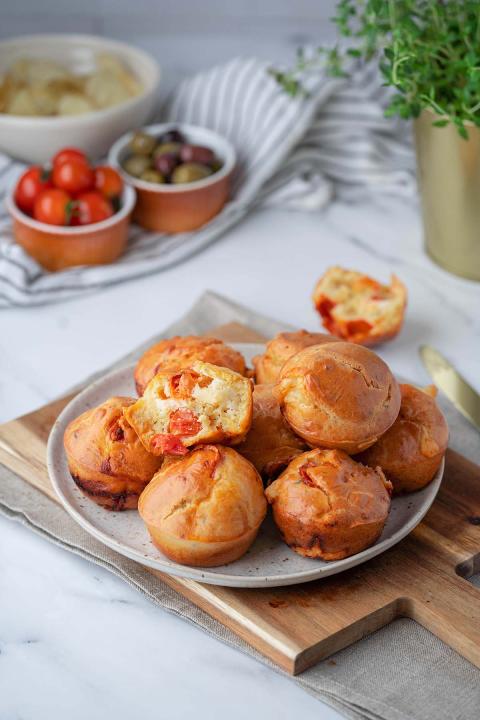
74	104
39	86
21	103
105	89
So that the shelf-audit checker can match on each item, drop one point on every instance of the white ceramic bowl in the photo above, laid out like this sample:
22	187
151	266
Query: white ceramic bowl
36	139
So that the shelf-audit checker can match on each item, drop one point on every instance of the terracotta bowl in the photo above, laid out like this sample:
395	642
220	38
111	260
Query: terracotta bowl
179	208
57	247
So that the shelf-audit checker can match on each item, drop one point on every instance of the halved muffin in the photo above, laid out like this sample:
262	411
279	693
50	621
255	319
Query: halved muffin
201	404
106	458
328	506
280	348
204	509
270	443
357	308
411	451
178	353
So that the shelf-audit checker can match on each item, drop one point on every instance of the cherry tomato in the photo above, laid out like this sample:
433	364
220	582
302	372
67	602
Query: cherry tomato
91	207
30	185
69	154
74	176
53	206
108	182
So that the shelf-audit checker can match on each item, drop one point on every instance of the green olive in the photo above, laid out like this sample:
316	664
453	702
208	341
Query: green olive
152	176
190	172
136	164
169	147
142	143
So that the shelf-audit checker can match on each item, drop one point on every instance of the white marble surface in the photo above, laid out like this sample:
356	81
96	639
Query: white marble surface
75	641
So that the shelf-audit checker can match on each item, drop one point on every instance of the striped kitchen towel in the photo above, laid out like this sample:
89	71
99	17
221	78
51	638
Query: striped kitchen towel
292	152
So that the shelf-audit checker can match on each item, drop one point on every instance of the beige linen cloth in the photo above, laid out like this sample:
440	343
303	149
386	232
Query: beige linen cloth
399	672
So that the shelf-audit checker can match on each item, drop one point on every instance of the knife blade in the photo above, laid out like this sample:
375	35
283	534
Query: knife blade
465	398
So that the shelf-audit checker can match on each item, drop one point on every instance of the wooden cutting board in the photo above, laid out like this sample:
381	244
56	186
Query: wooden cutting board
423	577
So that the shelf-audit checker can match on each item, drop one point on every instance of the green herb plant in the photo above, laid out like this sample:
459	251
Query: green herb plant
428	50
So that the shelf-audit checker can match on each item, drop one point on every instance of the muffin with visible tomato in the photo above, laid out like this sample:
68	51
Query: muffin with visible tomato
201	404
177	353
359	309
205	508
328	506
106	458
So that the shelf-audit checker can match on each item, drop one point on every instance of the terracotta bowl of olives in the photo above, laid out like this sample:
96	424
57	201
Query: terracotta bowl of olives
181	174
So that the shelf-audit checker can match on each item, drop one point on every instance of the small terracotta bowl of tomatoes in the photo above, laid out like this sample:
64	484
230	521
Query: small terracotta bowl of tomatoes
71	213
186	177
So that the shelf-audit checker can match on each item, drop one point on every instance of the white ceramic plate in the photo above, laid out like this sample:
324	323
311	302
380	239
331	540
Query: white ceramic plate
268	563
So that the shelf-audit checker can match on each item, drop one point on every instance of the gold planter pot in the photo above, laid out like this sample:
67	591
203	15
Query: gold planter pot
448	170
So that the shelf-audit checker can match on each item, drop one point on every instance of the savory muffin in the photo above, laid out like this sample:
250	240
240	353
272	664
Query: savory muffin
270	443
280	348
359	309
201	404
338	395
106	458
328	506
411	451
204	509
178	353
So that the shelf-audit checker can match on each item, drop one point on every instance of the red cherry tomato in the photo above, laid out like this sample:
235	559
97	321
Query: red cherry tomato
74	176
31	184
91	207
69	154
108	182
53	206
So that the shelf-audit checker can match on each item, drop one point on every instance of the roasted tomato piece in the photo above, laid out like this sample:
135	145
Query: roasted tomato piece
184	422
116	432
306	479
168	445
325	307
358	327
183	384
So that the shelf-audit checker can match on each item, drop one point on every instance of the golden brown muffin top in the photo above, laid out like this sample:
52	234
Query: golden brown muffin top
212	494
342	390
281	348
420	429
328	484
101	440
178	352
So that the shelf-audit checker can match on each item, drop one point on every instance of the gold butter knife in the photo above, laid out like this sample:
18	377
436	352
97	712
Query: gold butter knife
455	387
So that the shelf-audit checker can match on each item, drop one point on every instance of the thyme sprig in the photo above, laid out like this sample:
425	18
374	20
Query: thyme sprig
428	50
